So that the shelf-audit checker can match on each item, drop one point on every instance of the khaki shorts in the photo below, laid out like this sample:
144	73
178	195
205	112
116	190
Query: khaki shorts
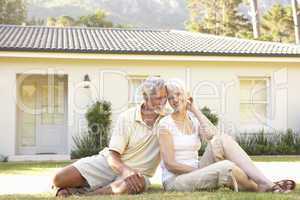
98	173
213	172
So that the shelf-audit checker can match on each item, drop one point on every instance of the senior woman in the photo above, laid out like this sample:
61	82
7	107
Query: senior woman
224	162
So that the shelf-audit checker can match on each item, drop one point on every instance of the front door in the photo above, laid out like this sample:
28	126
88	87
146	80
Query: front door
42	111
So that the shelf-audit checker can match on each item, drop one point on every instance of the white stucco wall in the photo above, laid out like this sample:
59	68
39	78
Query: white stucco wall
224	76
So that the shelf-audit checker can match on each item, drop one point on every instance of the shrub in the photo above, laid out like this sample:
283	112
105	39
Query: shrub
3	158
261	143
95	139
213	118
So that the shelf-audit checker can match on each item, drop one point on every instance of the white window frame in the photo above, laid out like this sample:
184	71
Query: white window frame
130	78
249	126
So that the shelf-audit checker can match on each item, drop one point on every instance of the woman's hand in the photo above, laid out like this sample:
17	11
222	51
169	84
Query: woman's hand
191	106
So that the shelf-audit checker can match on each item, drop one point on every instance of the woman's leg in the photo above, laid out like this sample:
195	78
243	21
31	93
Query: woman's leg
234	153
213	176
243	180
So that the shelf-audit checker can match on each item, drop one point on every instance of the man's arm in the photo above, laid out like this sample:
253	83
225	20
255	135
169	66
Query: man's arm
133	178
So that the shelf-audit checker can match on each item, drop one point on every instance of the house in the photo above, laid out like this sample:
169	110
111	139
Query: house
50	75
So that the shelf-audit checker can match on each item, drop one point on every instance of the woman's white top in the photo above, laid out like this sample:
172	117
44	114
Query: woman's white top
186	146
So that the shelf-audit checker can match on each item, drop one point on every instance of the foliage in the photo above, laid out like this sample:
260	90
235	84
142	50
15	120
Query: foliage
261	143
213	118
3	158
278	25
218	17
95	139
12	12
98	19
35	21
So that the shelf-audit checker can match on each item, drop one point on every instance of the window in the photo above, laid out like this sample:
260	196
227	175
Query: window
134	92
254	101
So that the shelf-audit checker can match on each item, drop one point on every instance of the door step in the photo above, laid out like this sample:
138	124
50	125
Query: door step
40	157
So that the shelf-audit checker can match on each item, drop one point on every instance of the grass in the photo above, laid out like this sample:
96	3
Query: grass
45	168
30	168
156	193
276	158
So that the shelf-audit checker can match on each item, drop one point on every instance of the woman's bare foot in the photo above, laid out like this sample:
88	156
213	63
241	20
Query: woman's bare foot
265	187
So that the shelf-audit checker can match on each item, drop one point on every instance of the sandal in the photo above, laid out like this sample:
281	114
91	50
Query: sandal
277	189
286	184
62	192
70	191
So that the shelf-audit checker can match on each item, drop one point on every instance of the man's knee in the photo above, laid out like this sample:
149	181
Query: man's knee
68	177
58	180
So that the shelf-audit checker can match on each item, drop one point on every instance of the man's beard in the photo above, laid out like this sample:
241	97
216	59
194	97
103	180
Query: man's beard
160	110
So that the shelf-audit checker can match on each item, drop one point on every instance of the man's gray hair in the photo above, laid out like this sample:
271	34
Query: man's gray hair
150	86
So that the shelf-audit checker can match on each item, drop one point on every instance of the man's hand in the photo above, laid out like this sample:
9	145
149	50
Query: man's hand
134	180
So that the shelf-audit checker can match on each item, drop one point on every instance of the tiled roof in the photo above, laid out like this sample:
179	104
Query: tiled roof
138	41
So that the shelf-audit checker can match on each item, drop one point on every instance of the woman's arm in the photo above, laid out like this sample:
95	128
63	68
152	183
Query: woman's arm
206	129
167	154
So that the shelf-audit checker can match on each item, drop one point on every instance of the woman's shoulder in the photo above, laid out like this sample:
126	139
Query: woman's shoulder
165	123
165	119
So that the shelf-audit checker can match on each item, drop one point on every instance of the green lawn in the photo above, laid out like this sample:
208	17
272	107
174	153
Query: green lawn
156	193
276	158
38	168
30	168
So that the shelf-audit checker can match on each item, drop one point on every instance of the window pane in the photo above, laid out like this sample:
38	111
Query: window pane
59	98
28	134
135	90
28	95
253	113
59	118
245	90
47	118
253	90
260	90
27	120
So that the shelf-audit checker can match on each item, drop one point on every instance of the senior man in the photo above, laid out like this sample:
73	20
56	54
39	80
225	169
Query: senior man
132	156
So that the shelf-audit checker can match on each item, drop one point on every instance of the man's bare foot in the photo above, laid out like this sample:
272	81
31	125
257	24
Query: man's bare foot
62	192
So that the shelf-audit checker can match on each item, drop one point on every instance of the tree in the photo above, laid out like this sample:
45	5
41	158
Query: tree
35	21
51	21
64	21
98	19
219	17
255	18
12	12
277	24
296	17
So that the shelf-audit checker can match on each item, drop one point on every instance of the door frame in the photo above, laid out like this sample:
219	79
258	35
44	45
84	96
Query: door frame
34	149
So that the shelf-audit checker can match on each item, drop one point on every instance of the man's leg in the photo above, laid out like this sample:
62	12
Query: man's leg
234	153
117	187
68	177
84	175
